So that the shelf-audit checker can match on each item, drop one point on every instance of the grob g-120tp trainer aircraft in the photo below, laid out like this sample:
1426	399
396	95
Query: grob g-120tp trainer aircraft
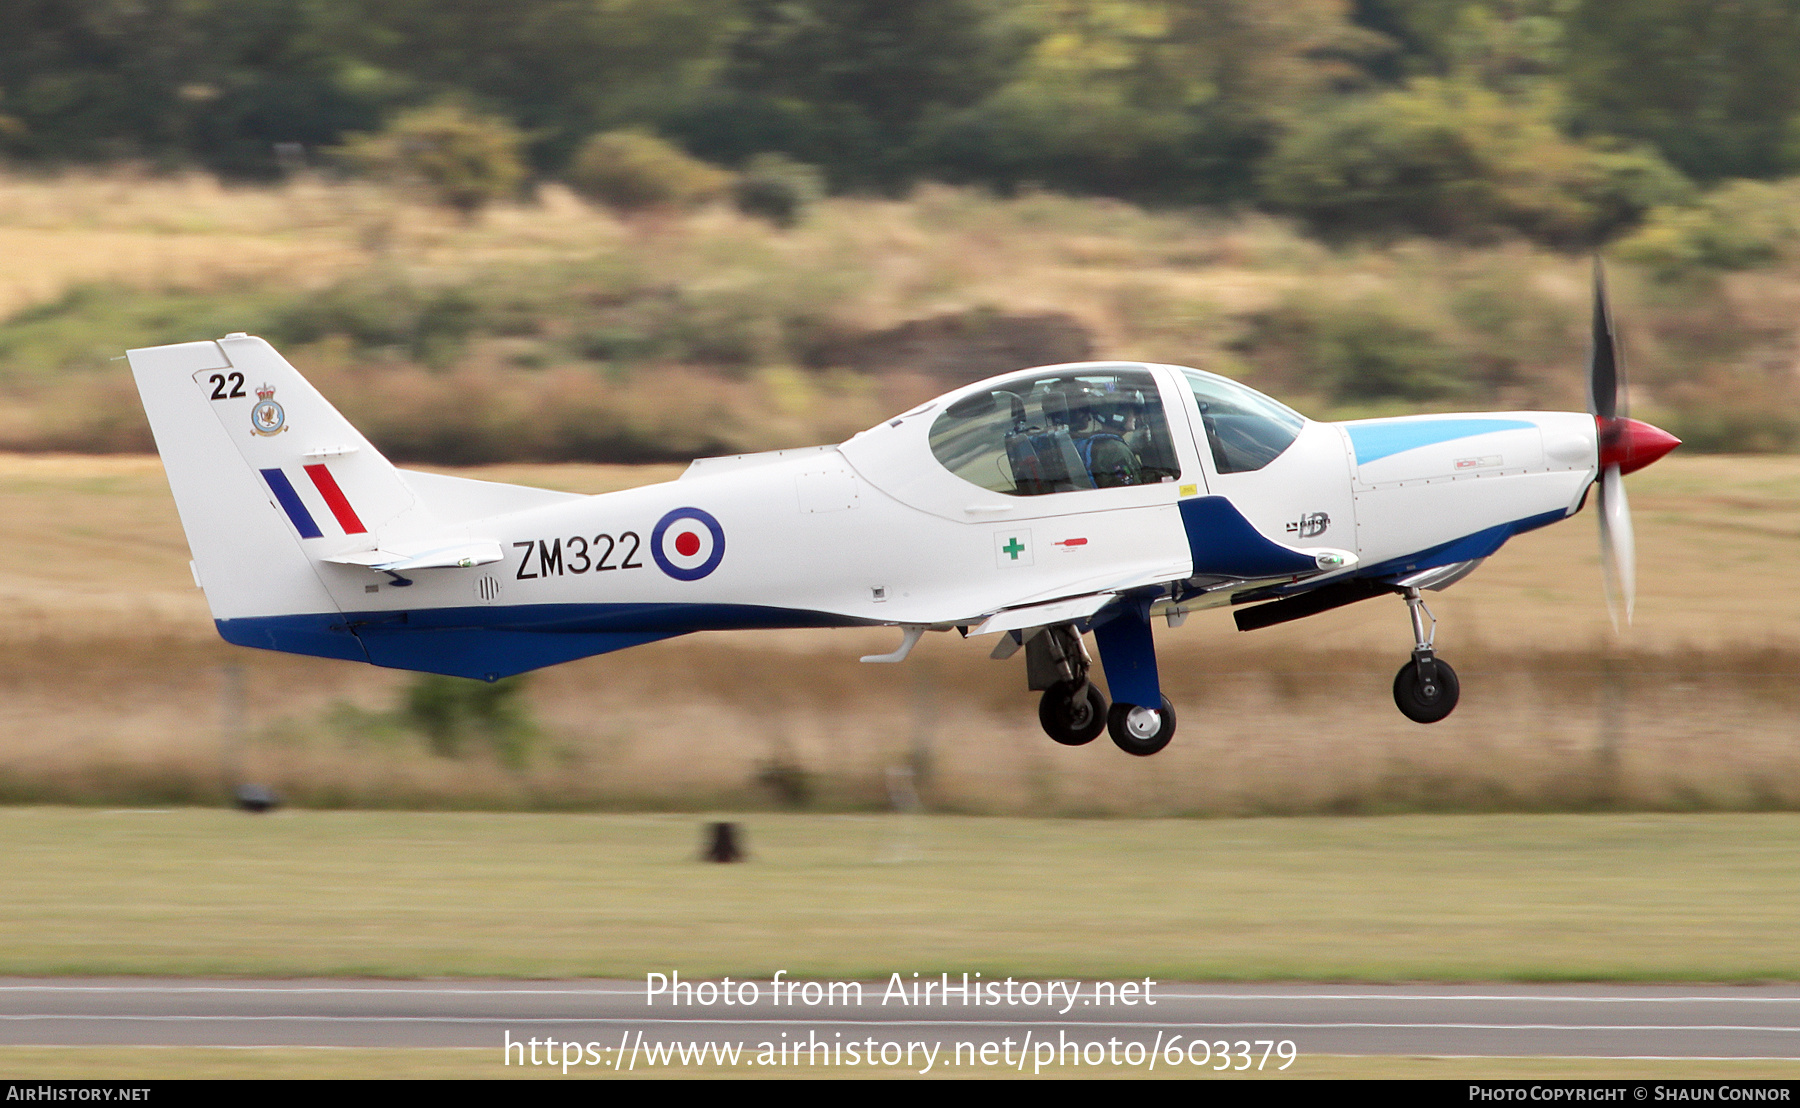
1036	506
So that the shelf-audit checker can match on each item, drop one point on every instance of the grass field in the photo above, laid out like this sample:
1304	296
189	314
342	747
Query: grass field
115	686
400	894
1556	898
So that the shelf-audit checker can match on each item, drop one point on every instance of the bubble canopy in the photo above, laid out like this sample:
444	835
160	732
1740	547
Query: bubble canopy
1059	429
1069	428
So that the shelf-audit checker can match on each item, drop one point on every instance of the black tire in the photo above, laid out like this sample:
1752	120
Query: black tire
1118	721
1069	720
1423	704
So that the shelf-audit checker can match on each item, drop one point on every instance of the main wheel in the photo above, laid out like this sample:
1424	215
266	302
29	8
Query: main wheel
1141	731
1072	720
1422	702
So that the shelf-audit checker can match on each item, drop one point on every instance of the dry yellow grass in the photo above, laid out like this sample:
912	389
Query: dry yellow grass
37	266
1166	286
152	233
115	688
192	232
943	250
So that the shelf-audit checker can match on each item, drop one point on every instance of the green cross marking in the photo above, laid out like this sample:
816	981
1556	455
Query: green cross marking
1014	548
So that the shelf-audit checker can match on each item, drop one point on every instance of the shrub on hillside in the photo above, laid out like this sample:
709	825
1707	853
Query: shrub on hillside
778	189
459	158
1740	225
635	171
1735	429
452	712
1355	351
1453	160
382	312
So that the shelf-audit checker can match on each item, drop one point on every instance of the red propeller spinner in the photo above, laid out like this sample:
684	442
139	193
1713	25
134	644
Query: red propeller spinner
1631	444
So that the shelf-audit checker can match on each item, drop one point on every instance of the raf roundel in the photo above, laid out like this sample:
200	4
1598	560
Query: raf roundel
687	544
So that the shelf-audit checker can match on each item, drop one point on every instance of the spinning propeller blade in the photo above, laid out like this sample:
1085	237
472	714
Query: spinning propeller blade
1626	445
1618	547
1605	385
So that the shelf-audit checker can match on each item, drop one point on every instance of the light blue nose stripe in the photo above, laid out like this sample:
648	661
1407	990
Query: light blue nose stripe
1378	440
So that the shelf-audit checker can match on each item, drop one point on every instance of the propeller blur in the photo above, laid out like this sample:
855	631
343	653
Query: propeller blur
1039	507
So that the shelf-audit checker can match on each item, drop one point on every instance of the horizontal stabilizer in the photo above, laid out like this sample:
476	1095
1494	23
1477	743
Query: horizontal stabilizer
460	555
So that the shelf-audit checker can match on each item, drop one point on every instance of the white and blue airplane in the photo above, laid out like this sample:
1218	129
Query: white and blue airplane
1036	506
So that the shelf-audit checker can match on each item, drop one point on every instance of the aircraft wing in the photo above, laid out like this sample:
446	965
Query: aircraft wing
1072	608
1097	594
1067	610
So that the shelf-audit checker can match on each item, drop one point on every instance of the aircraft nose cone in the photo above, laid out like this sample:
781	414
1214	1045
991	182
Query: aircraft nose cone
1632	444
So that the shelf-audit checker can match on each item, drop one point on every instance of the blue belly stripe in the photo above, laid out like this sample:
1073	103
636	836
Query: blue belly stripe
1379	440
488	642
1481	544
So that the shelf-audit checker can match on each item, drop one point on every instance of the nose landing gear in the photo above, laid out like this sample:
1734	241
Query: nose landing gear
1425	689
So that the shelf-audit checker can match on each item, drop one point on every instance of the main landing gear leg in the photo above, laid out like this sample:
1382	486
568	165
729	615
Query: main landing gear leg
1142	721
1425	689
1073	709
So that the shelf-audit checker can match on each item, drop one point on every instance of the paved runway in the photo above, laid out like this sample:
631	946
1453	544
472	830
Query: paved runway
1566	1020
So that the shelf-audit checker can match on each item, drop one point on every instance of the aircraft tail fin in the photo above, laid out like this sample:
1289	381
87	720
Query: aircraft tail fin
294	519
268	477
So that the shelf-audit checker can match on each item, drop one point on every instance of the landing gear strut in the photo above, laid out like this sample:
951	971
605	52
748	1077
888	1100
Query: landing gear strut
1425	689
1073	709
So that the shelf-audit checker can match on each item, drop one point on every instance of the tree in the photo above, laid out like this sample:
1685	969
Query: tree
1714	85
1450	159
1163	99
847	84
174	81
562	69
460	158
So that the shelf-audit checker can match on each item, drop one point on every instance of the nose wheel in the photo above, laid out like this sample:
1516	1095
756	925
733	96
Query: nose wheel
1425	689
